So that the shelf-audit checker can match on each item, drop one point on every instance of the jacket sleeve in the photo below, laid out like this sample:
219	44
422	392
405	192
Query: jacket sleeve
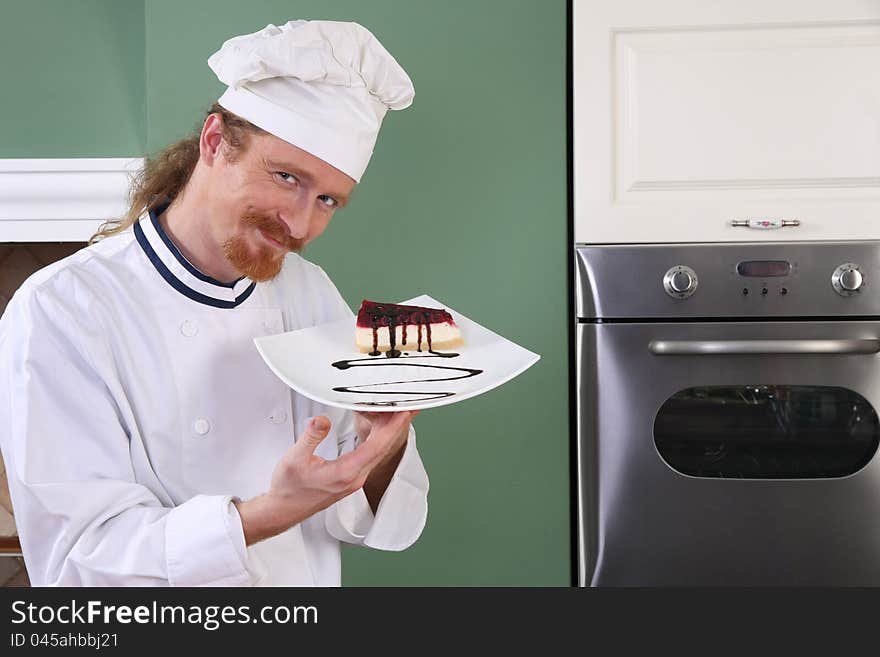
402	512
82	518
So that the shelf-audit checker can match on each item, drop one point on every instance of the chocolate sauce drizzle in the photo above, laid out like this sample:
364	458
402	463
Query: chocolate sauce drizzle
411	317
370	362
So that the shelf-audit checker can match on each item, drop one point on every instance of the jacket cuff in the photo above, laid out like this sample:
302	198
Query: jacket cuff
402	512
204	543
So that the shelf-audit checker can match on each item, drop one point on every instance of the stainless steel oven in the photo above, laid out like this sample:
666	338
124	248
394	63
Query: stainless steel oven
728	400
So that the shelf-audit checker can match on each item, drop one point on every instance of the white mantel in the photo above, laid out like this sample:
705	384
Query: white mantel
61	200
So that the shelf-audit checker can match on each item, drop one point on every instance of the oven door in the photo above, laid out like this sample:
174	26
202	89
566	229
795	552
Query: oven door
727	453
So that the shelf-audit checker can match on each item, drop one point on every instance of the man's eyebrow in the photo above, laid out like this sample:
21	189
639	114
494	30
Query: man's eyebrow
341	198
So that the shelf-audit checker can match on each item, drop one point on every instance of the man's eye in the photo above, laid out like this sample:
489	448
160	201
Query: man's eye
329	201
286	177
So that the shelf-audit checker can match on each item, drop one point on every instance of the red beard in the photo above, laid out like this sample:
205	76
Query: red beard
267	262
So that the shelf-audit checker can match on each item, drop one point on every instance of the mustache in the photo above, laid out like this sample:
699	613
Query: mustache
274	229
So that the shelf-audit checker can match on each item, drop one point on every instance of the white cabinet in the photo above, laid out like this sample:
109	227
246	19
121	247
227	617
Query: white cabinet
690	114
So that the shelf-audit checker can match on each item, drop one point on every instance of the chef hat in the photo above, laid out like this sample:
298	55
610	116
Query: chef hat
323	86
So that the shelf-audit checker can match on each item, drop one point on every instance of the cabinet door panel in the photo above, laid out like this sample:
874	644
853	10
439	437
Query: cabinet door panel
691	115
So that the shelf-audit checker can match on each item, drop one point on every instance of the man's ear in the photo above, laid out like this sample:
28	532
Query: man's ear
211	139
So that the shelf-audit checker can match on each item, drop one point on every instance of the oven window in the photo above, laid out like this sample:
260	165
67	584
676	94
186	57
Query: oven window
766	432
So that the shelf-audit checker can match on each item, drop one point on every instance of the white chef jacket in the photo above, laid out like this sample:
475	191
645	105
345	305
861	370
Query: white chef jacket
134	405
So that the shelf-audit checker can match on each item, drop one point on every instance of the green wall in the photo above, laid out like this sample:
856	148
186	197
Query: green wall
468	188
72	75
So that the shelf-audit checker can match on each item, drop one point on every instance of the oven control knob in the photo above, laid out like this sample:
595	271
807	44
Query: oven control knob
680	282
847	279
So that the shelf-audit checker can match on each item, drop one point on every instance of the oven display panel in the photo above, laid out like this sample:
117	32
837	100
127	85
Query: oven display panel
763	268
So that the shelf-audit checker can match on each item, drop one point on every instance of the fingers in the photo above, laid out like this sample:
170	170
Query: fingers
383	436
373	415
391	422
386	432
364	421
316	431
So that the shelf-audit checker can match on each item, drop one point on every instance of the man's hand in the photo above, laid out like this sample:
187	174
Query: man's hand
365	425
303	483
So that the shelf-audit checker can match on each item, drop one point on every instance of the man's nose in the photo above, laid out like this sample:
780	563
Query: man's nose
298	218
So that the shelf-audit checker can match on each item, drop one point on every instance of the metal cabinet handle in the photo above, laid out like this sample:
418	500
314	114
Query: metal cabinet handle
764	224
726	347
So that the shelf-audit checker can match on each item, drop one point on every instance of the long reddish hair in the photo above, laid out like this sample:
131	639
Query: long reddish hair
165	174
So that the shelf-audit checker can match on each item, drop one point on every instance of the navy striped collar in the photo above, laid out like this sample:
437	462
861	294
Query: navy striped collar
180	273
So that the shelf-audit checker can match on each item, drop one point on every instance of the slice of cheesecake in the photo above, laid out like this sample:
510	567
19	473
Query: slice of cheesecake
392	328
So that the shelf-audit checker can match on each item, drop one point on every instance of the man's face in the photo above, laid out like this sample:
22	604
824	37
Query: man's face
273	198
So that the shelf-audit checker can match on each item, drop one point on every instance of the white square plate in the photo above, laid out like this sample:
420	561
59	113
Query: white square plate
304	360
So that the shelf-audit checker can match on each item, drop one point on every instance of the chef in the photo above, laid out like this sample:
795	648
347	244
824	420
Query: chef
146	441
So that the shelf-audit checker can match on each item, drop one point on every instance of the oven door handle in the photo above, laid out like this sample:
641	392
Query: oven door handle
734	347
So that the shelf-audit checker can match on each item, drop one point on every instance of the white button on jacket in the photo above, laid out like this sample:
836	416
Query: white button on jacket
133	404
202	426
189	329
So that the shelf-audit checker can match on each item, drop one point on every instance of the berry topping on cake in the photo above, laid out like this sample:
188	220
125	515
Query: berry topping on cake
393	328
